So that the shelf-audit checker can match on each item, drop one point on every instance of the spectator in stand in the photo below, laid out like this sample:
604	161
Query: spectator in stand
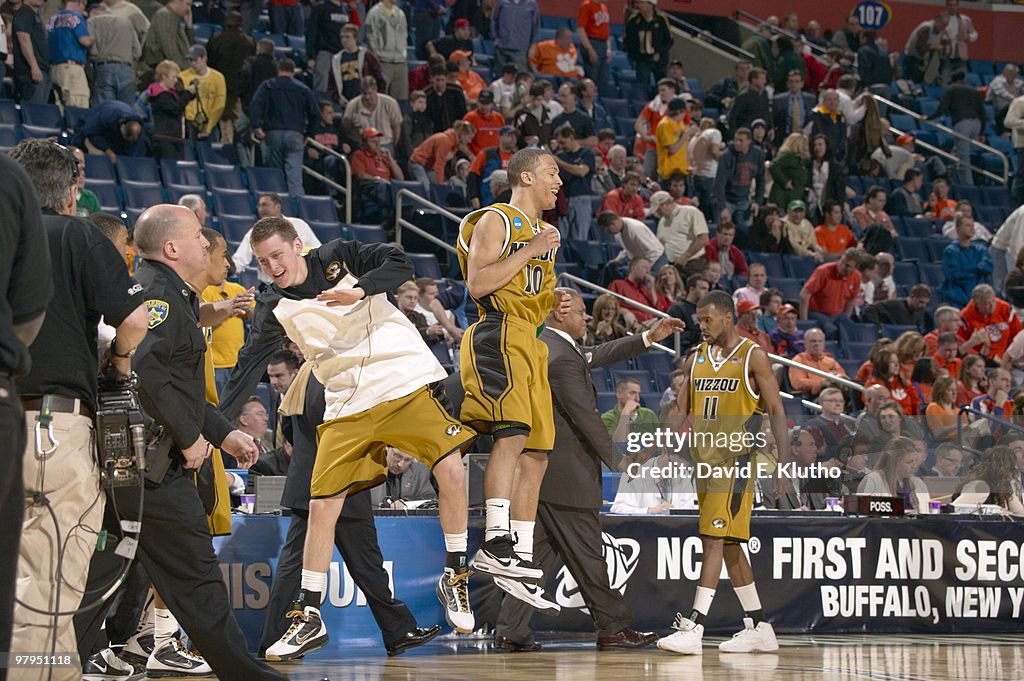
373	169
471	81
677	75
927	46
387	36
940	204
1003	89
486	121
831	292
946	351
634	237
683	230
789	171
873	65
996	399
812	34
445	104
170	35
556	57
895	475
113	128
327	132
960	31
853	108
270	206
607	323
647	124
283	111
900	159
668	286
965	264
787	60
115	50
638	285
408	296
830	427
168	101
713	273
759	43
586	96
132	14
594	32
286	17
374	110
461	39
323	38
838	63
722	250
746	324
787	338
751	104
671	138
791	105
255	71
768	234
972	381
487	161
886	372
626	200
967	109
867	425
905	200
815	357
771	301
647	42
686	309
832	236
941	413
722	93
204	112
1015	122
504	89
429	162
911	310
515	25
32	79
800	232
581	123
577	165
703	152
69	41
827	120
534	119
987	324
878	285
349	65
963	207
228	50
757	278
872	211
739	167
827	178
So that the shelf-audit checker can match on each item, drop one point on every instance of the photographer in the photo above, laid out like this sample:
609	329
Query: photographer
59	396
177	550
25	289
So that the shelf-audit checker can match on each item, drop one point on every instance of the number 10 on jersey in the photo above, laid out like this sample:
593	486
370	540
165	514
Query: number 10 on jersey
534	279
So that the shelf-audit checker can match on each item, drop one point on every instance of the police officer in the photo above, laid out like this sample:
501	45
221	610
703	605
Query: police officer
355	534
176	548
63	498
25	289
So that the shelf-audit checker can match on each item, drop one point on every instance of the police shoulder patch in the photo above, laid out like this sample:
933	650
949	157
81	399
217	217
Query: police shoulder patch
158	312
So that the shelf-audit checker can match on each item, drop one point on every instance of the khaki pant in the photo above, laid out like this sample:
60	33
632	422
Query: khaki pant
70	479
397	76
74	86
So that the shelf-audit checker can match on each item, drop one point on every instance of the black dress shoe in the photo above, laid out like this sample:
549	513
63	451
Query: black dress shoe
627	638
416	637
516	647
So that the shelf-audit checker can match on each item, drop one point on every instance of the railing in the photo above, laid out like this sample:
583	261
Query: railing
757	21
345	191
401	223
1005	178
699	33
1000	423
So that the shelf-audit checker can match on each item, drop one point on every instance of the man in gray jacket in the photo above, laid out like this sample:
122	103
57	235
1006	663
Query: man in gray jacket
387	35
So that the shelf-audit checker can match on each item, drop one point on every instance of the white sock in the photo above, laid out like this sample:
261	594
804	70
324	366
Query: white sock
497	518
314	581
522	531
702	601
456	543
146	619
749	600
165	626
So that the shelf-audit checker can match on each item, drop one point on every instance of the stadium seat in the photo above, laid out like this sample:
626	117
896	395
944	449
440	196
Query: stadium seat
651	400
641	375
919	228
39	131
266	180
181	172
317	209
851	331
857	350
8	137
412	186
137	169
905	274
425	264
931	274
234	228
606	401
936	246
99	167
327	231
773	265
224	155
601	379
42	115
656	362
618	108
9	117
808	324
74	117
176	191
106	192
895	330
367	234
790	287
224	177
233	202
142	194
914	249
799	267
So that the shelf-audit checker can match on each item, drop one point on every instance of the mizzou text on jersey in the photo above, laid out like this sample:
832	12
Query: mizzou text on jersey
726	412
504	365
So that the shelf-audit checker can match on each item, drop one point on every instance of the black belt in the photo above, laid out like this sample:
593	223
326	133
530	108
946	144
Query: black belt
104	63
58	403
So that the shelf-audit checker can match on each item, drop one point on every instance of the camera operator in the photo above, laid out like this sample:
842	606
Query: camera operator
25	289
177	551
59	394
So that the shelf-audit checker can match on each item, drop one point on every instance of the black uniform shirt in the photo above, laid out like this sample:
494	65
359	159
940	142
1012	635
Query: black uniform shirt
25	283
380	268
89	281
169	361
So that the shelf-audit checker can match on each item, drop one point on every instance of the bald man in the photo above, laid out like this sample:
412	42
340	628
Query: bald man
175	543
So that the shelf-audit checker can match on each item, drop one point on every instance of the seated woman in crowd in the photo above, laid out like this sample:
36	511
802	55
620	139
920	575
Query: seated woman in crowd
768	233
608	322
865	370
668	287
910	347
923	378
941	414
887	372
997	475
892	425
894	476
972	380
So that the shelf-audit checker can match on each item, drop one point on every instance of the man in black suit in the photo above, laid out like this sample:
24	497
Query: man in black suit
568	515
355	534
790	109
752	103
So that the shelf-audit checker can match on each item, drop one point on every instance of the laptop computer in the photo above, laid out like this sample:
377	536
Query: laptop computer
268	489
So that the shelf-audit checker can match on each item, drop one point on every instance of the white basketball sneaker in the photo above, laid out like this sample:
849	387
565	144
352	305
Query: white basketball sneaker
528	593
688	638
751	639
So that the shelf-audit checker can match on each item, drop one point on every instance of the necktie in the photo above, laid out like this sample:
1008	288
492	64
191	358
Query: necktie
794	114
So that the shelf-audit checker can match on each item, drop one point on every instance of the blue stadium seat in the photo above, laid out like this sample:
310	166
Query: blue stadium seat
367	234
327	231
894	330
266	180
931	274
8	138
852	331
39	131
9	117
904	122
220	155
425	264
772	262
651	400
808	324
176	191
233	202
656	361
799	267
106	192
997	196
411	185
919	228
142	194
936	246
855	350
74	117
905	274
98	167
601	378
317	209
914	249
181	172
224	177
606	401
137	169
641	375
42	115
790	287
624	125
618	108
234	228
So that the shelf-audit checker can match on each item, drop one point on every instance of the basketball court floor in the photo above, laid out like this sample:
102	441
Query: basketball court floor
799	658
